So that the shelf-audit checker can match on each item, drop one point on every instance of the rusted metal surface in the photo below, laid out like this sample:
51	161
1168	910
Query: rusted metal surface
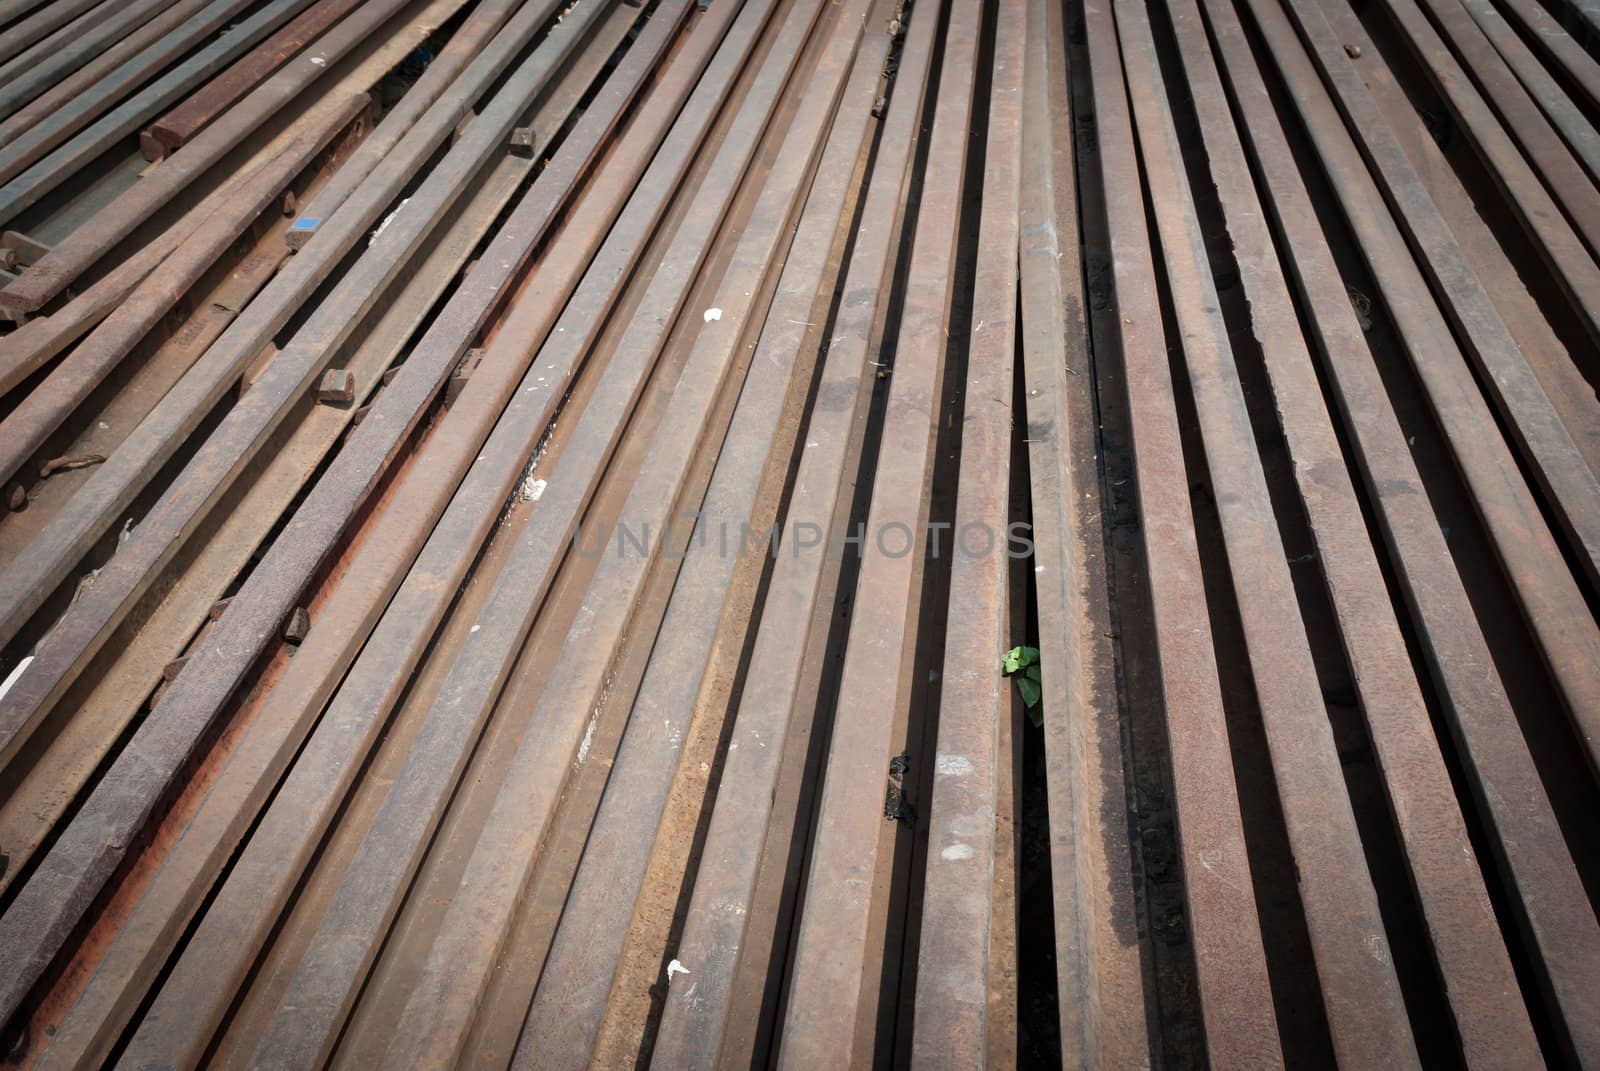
117	220
1235	995
44	173
1549	38
40	24
1506	785
165	745
833	990
169	132
26	428
1099	977
475	929
692	1032
23	79
564	1021
342	623
1560	167
325	742
27	581
87	79
1528	550
1569	485
1489	1016
310	1012
1361	992
478	28
954	955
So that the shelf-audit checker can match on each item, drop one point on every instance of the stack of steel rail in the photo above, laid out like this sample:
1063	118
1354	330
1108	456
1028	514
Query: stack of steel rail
807	532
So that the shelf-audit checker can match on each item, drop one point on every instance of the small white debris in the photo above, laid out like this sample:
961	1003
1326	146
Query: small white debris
713	313
583	748
397	210
18	672
476	627
320	61
533	489
956	852
675	968
952	765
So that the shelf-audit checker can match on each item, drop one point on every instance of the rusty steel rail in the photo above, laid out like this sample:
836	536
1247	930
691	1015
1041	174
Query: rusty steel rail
215	830
170	131
19	89
715	584
714	939
482	24
1235	996
1575	127
77	254
27	581
1099	984
1506	785
40	24
1528	550
1570	487
1568	247
1551	39
1493	1025
833	989
71	380
310	1012
31	174
475	929
137	46
238	921
39	918
1360	989
448	603
953	1027
25	146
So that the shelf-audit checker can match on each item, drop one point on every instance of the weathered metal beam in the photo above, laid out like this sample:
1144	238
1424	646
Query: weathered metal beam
1490	1017
467	948
1099	977
479	26
27	427
26	581
692	1032
832	1008
30	174
565	1021
40	919
324	984
80	250
25	78
1530	850
954	982
247	906
1534	566
172	130
136	45
1235	995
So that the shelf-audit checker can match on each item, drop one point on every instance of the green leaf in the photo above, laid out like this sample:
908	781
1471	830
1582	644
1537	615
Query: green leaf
1030	691
1018	658
1033	673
